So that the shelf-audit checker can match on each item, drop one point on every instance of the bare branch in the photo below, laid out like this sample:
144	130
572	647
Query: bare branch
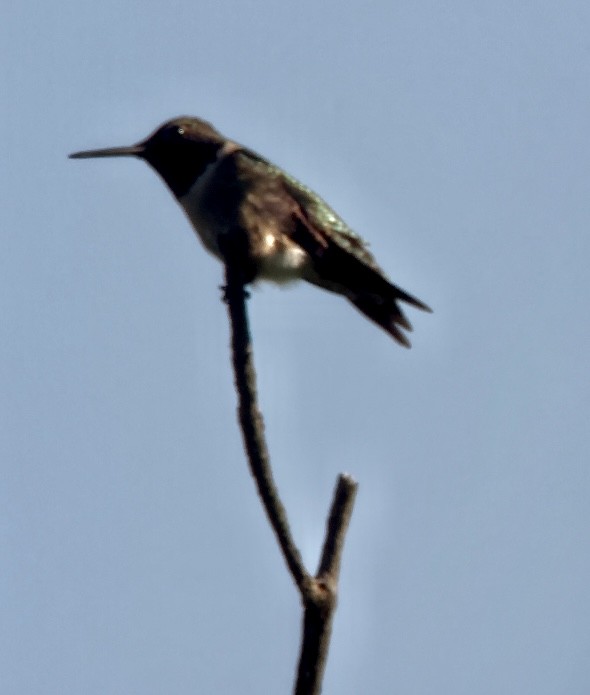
337	525
319	593
252	424
320	599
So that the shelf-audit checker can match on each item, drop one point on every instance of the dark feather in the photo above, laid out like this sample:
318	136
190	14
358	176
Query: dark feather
340	259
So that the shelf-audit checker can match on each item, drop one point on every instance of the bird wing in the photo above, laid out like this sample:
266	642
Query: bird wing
340	259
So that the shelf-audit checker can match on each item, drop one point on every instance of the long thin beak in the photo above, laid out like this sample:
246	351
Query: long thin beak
132	150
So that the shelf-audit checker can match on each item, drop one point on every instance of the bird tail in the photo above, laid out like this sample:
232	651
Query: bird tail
385	311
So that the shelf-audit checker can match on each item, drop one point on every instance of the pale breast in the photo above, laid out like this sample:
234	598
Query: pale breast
207	224
280	260
215	206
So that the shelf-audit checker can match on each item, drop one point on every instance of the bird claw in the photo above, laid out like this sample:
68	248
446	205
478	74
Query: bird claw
234	290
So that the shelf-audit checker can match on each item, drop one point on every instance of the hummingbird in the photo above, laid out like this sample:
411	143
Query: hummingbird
282	230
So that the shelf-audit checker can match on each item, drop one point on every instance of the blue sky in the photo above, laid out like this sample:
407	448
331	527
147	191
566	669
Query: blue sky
135	556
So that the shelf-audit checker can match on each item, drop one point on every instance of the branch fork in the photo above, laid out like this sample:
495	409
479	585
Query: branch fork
318	592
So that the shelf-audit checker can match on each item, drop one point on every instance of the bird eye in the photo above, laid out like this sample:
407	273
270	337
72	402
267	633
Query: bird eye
180	130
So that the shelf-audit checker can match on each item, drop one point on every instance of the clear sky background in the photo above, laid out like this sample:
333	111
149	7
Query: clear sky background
134	555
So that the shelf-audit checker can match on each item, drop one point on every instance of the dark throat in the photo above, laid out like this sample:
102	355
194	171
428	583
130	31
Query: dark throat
181	166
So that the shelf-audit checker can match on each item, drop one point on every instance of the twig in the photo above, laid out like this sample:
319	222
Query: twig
321	598
252	425
318	593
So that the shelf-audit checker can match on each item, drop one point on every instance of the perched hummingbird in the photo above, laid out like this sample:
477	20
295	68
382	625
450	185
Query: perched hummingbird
283	230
